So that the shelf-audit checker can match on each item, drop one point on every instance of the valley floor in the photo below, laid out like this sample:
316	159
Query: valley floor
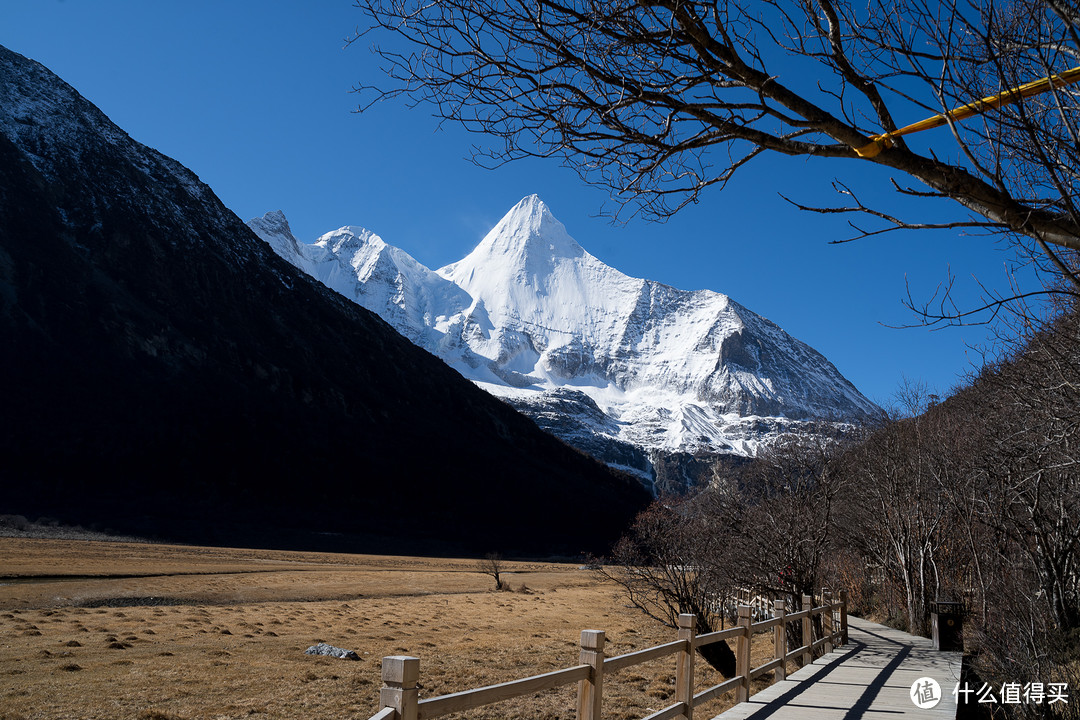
158	632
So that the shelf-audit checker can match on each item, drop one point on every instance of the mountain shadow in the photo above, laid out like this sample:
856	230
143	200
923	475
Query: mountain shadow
163	372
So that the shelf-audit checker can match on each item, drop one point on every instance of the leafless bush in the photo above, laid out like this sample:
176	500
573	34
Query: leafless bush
492	564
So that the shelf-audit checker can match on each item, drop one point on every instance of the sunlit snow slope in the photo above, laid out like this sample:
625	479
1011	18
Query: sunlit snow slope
622	367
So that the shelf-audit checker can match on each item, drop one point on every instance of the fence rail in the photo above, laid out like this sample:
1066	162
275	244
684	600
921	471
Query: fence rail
619	662
469	699
399	696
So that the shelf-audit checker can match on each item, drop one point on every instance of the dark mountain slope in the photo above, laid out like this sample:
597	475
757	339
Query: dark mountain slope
163	371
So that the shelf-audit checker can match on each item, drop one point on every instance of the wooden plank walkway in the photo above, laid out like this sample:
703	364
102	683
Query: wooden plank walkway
869	677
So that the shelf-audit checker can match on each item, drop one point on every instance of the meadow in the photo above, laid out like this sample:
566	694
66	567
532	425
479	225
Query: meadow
92	629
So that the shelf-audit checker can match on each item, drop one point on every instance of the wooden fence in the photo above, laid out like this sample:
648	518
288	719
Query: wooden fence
399	696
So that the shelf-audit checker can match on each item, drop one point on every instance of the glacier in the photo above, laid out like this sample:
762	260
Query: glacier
627	369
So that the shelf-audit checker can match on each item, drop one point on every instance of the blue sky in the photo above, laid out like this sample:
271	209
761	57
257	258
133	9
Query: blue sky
255	98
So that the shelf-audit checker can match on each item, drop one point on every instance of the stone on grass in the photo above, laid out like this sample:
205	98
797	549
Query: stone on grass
330	650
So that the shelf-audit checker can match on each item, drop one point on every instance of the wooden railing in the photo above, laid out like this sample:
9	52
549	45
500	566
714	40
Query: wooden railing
399	696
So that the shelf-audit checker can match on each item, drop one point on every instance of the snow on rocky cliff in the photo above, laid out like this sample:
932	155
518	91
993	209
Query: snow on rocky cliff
619	366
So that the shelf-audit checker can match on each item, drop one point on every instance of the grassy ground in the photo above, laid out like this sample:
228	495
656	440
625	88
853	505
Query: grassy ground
157	632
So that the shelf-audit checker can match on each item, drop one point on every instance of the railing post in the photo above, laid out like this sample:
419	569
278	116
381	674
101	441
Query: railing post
400	675
591	691
684	665
742	655
807	630
779	610
827	619
843	617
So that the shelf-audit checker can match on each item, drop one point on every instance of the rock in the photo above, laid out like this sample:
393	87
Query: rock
326	649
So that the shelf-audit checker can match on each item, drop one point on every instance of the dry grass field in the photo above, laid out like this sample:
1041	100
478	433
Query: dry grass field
158	632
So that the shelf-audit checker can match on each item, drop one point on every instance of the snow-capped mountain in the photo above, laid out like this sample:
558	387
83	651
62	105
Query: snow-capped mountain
621	367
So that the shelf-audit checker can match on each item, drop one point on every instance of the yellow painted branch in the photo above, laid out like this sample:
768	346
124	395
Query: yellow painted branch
1035	87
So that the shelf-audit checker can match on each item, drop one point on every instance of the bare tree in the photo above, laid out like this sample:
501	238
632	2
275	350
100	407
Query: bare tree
781	516
659	100
672	561
1031	460
765	530
492	564
902	517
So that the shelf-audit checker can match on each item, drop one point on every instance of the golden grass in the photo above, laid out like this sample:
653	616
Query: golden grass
231	643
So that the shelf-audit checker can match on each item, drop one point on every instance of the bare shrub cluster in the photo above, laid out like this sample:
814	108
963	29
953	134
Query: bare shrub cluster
766	532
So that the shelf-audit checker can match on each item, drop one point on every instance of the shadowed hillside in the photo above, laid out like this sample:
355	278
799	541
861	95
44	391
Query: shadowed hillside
165	373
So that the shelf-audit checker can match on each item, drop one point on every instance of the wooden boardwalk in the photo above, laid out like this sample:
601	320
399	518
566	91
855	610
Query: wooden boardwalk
872	676
869	677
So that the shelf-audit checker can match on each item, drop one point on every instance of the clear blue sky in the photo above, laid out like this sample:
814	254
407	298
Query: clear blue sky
255	98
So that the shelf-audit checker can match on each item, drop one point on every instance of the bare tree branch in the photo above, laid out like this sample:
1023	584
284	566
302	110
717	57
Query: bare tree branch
639	96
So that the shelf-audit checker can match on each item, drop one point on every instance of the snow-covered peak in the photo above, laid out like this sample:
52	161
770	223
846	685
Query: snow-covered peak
274	228
531	316
525	245
276	220
367	254
385	279
349	237
530	227
528	270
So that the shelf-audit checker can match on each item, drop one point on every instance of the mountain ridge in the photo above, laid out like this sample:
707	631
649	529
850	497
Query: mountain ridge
671	370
